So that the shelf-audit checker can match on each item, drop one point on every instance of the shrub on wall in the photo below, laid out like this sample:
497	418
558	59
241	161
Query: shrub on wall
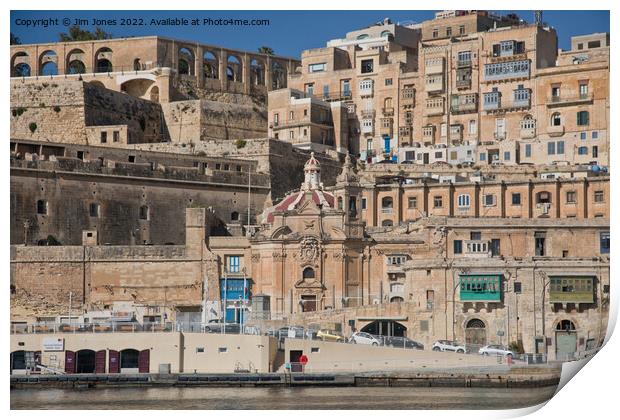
56	108
240	143
33	127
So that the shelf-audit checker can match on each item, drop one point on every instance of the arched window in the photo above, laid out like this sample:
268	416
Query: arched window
103	60
362	36
278	76
234	69
387	202
475	323
234	216
556	119
20	65
137	65
340	203
565	325
386	34
387	223
308	273
388	103
210	65
528	122
186	61
48	63
463	200
257	73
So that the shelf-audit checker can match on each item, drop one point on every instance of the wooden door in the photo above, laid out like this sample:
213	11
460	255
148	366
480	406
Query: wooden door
100	361
114	361
69	361
143	361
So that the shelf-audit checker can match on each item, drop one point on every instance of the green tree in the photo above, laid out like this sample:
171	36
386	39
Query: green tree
76	33
15	40
266	50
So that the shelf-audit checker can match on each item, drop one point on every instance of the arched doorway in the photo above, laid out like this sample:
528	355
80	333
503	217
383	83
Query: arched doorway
565	339
475	333
85	361
103	63
186	61
234	69
48	63
75	62
210	65
20	65
386	327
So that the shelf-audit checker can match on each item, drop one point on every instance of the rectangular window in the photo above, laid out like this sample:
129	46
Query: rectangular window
475	236
412	202
571	196
104	137
506	156
583	118
116	135
582	136
222	350
462	30
516	199
528	150
291	134
594	151
599	196
200	349
233	263
448	31
488	200
539	243
472	127
483	157
326	91
317	67
560	147
388	82
363	203
458	246
367	66
276	118
463	200
495	250
309	89
594	135
438	201
551	148
605	242
435	33
517	287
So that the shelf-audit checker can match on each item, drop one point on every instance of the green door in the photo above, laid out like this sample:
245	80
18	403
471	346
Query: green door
565	345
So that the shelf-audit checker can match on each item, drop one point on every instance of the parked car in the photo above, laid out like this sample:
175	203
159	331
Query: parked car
403	343
496	349
364	338
447	345
329	335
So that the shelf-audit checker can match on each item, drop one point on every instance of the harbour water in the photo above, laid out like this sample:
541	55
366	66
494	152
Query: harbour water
279	398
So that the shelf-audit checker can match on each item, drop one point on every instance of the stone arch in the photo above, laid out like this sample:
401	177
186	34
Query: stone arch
388	328
85	361
257	72
556	119
48	63
20	65
234	68
75	62
475	332
129	359
565	325
278	75
185	63
387	223
210	65
103	60
140	88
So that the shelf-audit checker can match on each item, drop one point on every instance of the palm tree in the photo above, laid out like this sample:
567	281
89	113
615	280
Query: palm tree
266	50
15	39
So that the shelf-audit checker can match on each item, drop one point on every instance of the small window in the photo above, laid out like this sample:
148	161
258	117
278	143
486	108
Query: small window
582	136
551	148
412	202
222	350
131	159
462	30
594	135
116	135
458	246
605	243
80	155
583	150
94	210
234	216
483	157
583	118
367	66
488	200
41	207
200	349
318	67
506	156
475	236
543	197
315	349
556	119
144	212
463	200
528	150
516	199
599	196
438	201
388	82
571	196
363	203
517	287
560	147
104	137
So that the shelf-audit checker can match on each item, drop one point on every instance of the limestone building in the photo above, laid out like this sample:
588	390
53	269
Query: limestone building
465	88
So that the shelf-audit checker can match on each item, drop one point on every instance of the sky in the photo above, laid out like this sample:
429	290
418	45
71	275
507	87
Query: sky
288	32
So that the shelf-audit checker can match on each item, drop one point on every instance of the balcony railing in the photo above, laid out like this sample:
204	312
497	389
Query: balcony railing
555	101
388	112
434	85
500	135
463	63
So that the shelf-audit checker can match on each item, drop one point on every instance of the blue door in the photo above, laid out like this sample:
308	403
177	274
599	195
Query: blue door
386	144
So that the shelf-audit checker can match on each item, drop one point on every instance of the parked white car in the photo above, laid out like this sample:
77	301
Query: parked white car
364	338
447	345
495	349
